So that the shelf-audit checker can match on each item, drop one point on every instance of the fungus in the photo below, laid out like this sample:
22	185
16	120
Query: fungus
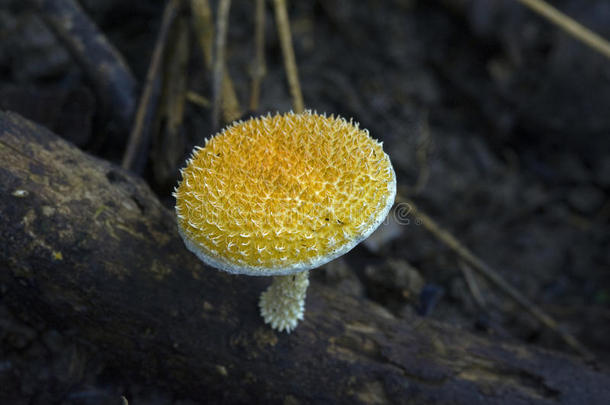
281	195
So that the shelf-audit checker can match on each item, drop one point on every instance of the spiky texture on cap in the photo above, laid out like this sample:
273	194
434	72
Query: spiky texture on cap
282	194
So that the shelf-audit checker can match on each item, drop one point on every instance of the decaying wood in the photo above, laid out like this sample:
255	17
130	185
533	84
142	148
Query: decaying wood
84	244
104	66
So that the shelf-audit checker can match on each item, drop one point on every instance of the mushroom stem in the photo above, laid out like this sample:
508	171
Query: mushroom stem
283	303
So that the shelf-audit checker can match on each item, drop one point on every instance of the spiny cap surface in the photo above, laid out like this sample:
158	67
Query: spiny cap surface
280	194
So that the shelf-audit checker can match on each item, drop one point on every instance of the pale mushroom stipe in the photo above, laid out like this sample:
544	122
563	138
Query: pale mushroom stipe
281	195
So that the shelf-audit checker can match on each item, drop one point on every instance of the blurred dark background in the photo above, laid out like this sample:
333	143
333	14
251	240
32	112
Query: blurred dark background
497	123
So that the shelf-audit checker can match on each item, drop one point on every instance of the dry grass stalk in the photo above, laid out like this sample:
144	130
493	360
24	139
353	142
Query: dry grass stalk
493	276
222	26
203	25
168	142
570	26
283	27
140	131
258	69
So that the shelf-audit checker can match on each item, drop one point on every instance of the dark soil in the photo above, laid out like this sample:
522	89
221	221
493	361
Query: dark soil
497	124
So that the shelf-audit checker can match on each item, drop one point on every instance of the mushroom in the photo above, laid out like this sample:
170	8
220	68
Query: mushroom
281	195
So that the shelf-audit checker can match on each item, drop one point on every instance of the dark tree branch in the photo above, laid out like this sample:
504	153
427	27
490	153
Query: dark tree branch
103	65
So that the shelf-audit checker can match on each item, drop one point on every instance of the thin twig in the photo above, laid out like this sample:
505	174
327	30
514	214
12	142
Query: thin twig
493	276
259	69
140	131
203	25
197	99
204	28
168	141
570	26
222	25
471	281
283	27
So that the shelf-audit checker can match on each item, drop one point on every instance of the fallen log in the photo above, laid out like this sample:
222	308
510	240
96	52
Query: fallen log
86	245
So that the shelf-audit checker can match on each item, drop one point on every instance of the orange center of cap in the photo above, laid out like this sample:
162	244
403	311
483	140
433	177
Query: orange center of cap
284	193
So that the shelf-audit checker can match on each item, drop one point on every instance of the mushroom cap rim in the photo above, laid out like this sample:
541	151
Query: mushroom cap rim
297	267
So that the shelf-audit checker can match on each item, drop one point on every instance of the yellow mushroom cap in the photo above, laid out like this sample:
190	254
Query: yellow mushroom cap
280	194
